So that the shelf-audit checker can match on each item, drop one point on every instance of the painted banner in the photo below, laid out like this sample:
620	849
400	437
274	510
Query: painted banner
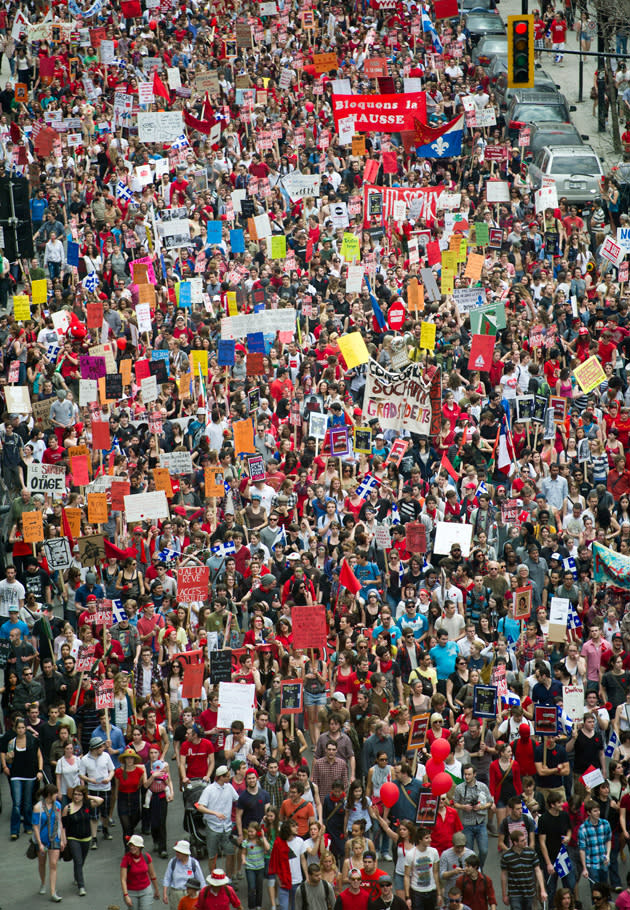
192	583
424	199
382	113
399	400
610	567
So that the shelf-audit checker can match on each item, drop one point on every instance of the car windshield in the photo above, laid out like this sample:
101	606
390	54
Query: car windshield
575	164
535	112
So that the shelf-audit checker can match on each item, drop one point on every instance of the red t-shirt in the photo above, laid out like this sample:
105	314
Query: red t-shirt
137	871
131	782
350	901
196	757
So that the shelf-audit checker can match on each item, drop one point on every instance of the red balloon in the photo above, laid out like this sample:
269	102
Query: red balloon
441	784
153	25
434	767
389	794
440	750
121	344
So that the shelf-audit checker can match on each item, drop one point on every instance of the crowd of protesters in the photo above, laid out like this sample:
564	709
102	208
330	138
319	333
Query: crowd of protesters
290	811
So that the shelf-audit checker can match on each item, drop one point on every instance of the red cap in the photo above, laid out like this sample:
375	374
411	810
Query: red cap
90	598
251	771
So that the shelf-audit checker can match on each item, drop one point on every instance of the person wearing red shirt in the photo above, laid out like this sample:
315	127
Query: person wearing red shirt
54	453
447	822
355	897
196	756
370	875
607	349
178	191
137	872
281	387
558	37
129	779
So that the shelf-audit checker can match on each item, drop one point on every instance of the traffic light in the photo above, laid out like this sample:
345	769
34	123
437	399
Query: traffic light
520	51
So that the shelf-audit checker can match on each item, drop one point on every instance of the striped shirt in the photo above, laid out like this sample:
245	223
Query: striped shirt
254	854
520	870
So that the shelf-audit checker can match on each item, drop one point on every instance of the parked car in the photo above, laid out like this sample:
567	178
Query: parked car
552	134
543	82
488	48
576	170
529	106
479	24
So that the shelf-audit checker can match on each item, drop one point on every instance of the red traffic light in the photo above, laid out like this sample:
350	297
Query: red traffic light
520	28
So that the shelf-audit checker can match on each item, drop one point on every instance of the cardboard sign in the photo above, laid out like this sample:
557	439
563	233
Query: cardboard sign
324	63
558	618
162	481
97	508
214	481
522	603
91	549
291	696
573	701
485	702
32	527
545	720
73	517
118	490
236	702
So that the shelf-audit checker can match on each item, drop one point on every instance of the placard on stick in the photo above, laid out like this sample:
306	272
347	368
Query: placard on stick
310	627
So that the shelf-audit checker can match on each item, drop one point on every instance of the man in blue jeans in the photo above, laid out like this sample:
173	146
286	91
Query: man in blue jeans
472	800
595	842
520	874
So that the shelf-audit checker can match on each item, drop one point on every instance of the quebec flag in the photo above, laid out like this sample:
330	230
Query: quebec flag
443	142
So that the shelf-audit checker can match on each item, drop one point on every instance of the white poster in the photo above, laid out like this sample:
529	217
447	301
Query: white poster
88	392
497	191
236	702
107	52
47	479
163	126
18	399
176	462
174	77
146	506
298	186
145	93
149	389
354	279
449	532
143	315
573	701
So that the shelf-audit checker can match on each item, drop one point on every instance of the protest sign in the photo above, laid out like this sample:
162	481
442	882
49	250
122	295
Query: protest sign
590	374
32	527
398	400
220	666
381	113
236	702
47	479
573	701
104	691
146	506
58	555
448	533
310	626
558	616
192	583
91	549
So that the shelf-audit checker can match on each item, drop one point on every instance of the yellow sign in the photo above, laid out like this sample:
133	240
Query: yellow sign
589	374
21	306
353	349
350	249
449	261
231	302
39	290
427	336
278	246
197	359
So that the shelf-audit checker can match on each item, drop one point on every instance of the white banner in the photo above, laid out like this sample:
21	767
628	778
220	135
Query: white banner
163	126
298	186
398	400
46	478
146	506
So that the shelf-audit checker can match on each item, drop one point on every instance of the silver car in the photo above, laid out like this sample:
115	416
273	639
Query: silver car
576	169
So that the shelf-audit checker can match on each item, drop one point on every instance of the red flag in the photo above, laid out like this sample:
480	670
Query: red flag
207	112
116	552
159	88
15	132
131	9
390	163
370	171
445	9
202	126
65	525
348	579
481	350
448	467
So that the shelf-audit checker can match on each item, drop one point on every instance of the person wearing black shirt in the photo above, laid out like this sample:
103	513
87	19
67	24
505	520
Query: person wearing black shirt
588	745
36	581
48	733
554	832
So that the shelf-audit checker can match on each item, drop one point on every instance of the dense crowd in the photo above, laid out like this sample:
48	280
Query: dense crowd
190	374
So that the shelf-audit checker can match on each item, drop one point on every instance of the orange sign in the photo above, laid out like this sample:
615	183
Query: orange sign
214	478
32	526
97	508
324	63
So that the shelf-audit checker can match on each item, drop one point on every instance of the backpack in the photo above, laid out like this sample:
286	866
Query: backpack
328	889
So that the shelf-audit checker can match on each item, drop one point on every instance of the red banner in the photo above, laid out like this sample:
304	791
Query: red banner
192	584
425	197
381	113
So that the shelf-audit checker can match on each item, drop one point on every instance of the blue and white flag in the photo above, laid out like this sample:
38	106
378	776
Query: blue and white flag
573	620
90	282
528	814
443	142
52	351
613	742
565	723
224	549
167	555
123	191
510	699
427	26
395	514
281	538
118	611
366	486
482	488
570	566
563	864
181	142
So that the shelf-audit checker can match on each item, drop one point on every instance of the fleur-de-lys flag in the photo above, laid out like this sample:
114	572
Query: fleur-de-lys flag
442	142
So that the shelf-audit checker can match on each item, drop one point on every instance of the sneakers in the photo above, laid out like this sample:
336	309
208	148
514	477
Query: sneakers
14	836
94	844
111	823
55	898
42	890
387	857
82	892
106	834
